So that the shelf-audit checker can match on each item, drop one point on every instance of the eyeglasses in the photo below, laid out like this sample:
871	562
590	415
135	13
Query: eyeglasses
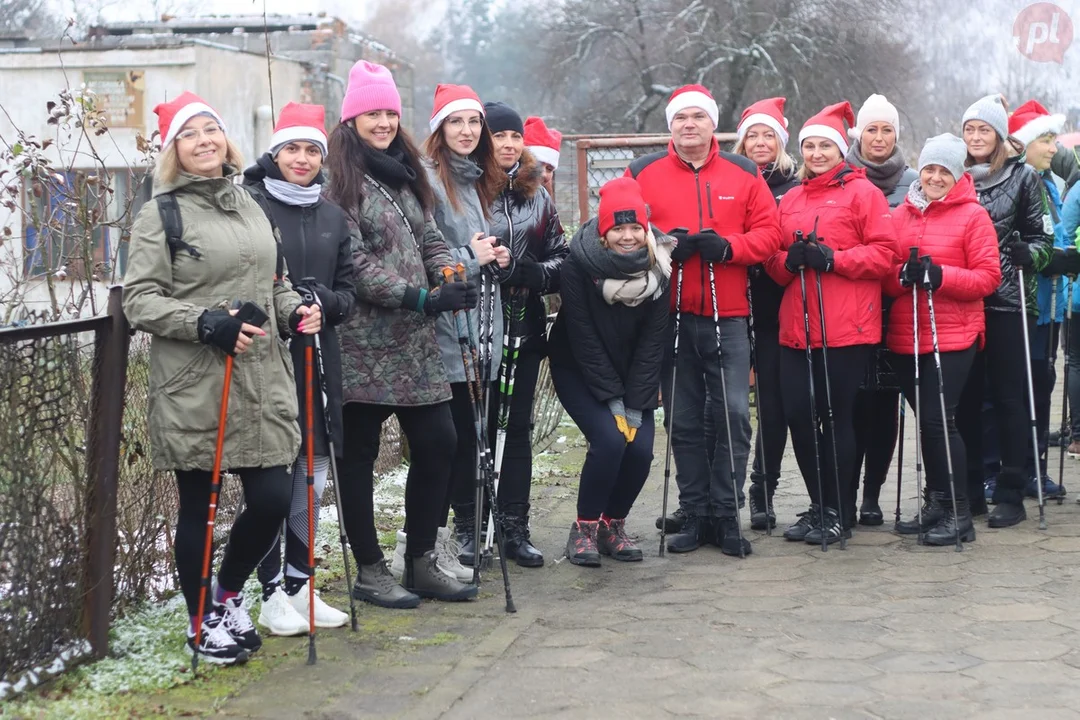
458	124
209	132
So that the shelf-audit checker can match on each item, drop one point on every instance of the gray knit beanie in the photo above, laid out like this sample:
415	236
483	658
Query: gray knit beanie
945	150
990	110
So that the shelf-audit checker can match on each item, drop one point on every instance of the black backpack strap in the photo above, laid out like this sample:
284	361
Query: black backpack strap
173	223
279	266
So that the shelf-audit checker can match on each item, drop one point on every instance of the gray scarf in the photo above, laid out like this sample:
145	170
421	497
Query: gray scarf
293	194
623	278
886	175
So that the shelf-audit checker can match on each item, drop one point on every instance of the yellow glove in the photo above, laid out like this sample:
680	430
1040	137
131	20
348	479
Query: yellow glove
620	422
631	435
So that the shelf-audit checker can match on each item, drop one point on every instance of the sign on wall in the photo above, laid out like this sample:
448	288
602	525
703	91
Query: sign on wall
119	95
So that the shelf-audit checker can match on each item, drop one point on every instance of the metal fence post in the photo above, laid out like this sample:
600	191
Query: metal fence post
103	468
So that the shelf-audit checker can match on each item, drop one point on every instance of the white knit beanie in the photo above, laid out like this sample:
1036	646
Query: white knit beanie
876	109
990	111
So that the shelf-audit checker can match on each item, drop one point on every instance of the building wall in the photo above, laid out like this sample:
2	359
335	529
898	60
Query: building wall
234	83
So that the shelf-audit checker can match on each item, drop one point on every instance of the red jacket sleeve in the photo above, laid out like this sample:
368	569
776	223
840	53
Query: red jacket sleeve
983	272
890	284
762	222
873	258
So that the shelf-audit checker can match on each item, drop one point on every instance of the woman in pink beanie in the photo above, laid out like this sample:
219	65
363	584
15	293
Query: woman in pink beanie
390	359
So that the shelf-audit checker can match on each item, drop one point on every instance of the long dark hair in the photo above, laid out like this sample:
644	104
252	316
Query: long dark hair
490	183
346	166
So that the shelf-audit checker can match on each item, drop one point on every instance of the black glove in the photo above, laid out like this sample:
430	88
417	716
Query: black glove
911	273
452	296
796	257
1072	262
1020	253
685	245
1059	262
819	257
220	329
713	248
930	272
527	273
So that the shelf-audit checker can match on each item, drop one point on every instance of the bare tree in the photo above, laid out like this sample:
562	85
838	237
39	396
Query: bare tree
30	17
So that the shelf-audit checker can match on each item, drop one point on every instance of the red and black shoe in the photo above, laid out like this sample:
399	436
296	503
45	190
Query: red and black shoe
612	540
581	547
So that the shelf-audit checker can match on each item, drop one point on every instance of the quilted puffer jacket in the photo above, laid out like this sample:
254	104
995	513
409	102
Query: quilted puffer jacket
1014	198
957	234
854	220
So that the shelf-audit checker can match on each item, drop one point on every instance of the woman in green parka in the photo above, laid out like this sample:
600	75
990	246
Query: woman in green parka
182	296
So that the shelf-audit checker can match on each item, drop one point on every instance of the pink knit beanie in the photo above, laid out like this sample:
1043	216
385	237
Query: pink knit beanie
371	87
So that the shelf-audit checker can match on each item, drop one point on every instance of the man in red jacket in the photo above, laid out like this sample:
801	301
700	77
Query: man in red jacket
729	222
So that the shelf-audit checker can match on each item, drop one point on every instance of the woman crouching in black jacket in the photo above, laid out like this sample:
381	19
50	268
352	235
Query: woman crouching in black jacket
605	352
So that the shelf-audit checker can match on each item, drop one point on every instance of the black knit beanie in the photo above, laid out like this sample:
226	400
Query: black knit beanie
501	117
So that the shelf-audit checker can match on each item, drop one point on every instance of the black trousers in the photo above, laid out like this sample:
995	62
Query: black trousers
1043	348
772	433
430	432
846	365
955	367
267	494
877	425
999	367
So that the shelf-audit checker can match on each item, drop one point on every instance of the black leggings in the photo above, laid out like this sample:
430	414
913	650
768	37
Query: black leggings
877	424
846	373
429	430
267	494
955	367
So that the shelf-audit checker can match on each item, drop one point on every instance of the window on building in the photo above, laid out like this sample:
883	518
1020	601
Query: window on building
76	224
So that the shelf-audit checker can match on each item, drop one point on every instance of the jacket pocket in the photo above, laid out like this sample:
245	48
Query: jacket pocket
282	383
189	399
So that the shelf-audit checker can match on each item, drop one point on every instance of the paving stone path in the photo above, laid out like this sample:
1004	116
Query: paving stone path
885	629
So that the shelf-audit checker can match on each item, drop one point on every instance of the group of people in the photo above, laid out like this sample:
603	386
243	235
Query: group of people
409	268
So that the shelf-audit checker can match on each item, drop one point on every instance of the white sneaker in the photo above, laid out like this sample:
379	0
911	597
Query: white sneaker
325	616
397	563
448	549
280	617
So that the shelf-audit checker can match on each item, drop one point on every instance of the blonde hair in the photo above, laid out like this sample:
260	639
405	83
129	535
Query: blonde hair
784	163
167	167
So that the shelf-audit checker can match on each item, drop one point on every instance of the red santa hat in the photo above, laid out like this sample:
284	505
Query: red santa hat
769	112
543	142
173	114
692	96
621	203
299	122
450	99
1031	120
829	124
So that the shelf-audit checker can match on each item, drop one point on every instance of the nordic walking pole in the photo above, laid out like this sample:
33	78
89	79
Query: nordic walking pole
215	488
1030	390
941	395
309	426
900	460
671	411
759	446
1049	363
1066	427
813	399
913	257
840	500
727	414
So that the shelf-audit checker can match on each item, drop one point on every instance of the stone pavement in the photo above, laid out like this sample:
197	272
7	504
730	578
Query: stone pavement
885	629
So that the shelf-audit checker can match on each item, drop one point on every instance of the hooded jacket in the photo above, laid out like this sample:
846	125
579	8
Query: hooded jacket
525	220
854	220
165	296
1047	285
318	244
617	348
1014	198
958	235
727	195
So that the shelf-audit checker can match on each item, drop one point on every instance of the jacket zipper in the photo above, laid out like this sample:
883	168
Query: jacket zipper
708	197
303	243
509	223
701	225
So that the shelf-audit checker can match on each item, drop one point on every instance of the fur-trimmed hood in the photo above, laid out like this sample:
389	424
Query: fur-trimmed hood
526	178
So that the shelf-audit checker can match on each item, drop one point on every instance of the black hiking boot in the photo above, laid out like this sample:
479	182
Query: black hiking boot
464	529
612	540
832	530
1009	499
944	533
760	512
933	510
691	535
807	521
870	513
728	539
581	546
516	536
673	523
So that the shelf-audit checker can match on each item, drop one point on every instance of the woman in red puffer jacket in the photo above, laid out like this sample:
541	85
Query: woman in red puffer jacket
943	219
854	248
